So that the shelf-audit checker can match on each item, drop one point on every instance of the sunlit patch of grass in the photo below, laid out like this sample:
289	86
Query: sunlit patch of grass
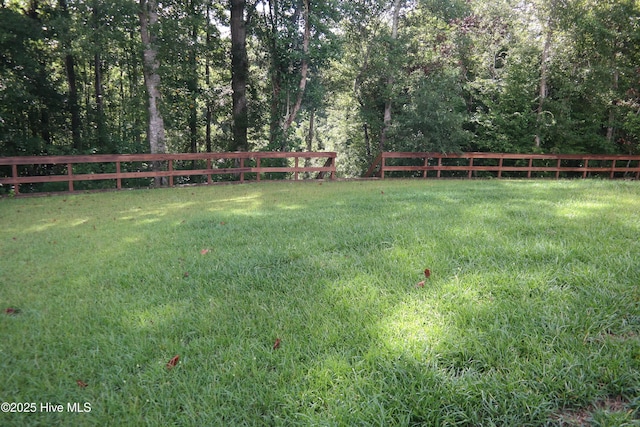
531	315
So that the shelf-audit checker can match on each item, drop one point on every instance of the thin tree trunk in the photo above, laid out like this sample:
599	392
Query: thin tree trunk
274	72
367	142
72	81
544	75
74	108
156	135
101	137
193	87
390	80
304	68
612	113
207	77
239	75
310	135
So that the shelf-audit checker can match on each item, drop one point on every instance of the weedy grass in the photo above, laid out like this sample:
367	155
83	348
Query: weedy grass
530	317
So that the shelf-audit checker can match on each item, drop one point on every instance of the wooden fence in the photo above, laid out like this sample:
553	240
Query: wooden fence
17	171
469	165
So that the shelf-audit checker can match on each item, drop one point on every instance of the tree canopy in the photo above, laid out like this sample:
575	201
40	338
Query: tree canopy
357	76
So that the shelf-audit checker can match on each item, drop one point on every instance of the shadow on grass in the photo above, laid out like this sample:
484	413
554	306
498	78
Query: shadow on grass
522	317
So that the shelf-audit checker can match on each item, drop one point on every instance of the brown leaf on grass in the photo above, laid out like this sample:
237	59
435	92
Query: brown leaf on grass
81	383
427	273
186	274
173	362
11	311
420	284
276	345
204	251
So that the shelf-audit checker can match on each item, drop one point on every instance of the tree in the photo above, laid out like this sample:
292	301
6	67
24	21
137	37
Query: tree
155	134
239	75
397	4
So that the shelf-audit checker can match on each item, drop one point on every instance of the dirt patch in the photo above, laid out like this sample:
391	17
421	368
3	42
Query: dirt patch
583	417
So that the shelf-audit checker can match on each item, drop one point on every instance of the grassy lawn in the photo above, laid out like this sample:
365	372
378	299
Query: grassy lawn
531	315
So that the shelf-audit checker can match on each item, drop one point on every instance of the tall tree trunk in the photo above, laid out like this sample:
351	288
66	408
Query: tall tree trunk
207	81
193	87
274	73
544	76
74	107
155	133
239	75
386	121
70	68
102	138
612	110
304	68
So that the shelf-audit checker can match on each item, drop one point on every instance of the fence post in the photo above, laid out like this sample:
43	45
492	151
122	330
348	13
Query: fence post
241	169
16	186
118	177
295	166
500	168
333	167
586	166
613	168
470	167
70	175
170	172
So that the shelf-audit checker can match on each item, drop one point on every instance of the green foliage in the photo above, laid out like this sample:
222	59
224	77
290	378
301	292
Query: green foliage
28	96
459	75
432	116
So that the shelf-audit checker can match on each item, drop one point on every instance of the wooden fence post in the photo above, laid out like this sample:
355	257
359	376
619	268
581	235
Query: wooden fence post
16	186
170	172
118	177
70	174
613	168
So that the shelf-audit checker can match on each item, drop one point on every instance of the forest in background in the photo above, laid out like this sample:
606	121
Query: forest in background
353	76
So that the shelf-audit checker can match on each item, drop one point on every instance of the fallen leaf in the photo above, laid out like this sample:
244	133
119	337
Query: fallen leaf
173	362
222	222
427	273
204	251
11	311
276	345
81	383
420	284
186	274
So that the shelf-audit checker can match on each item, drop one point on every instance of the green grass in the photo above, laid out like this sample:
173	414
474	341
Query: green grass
531	315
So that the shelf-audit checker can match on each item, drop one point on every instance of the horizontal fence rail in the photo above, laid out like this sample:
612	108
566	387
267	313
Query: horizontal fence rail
470	165
242	166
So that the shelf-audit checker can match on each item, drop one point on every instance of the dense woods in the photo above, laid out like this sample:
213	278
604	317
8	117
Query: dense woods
354	76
